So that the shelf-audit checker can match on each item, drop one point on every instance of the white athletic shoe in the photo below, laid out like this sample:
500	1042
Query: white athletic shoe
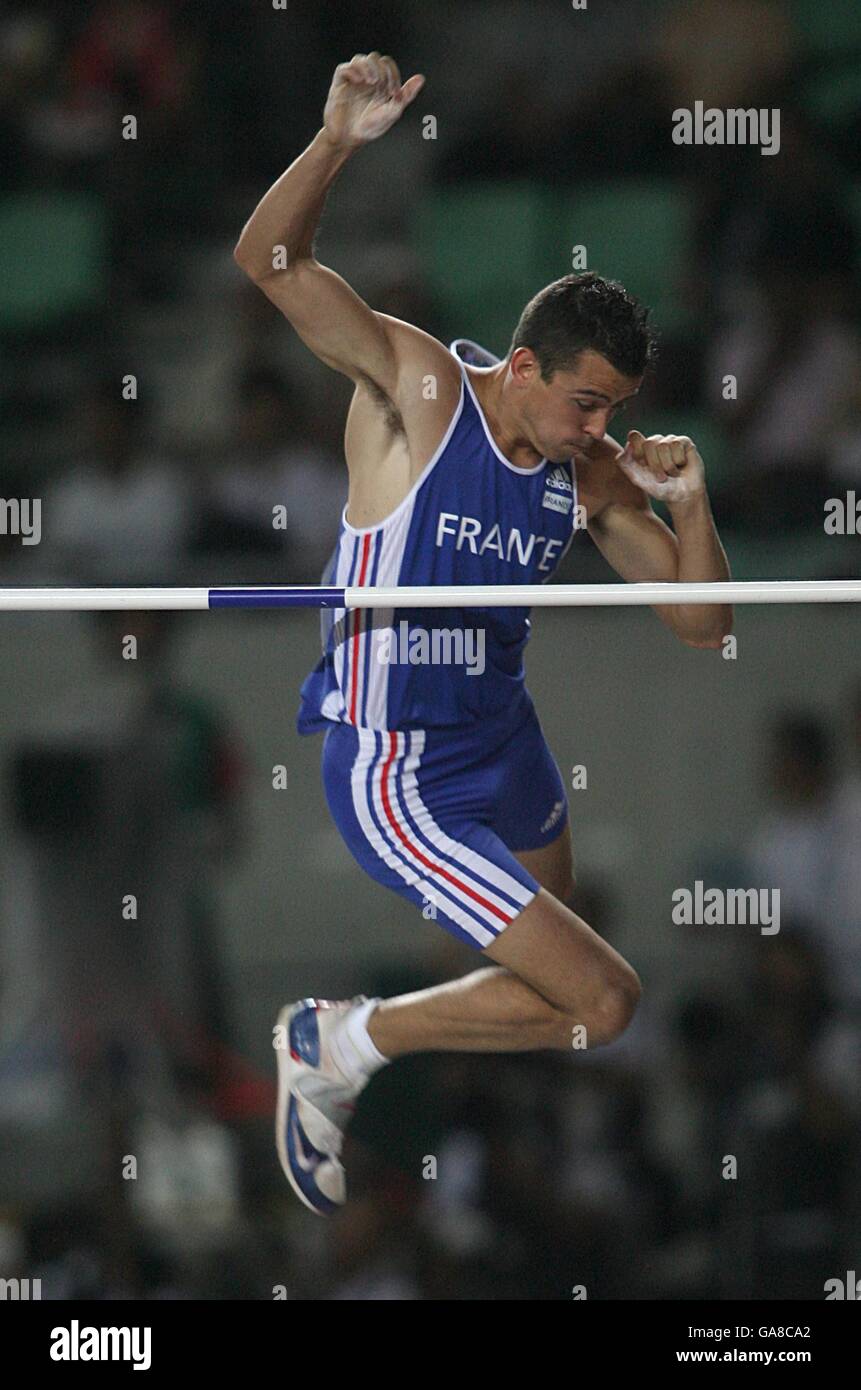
315	1102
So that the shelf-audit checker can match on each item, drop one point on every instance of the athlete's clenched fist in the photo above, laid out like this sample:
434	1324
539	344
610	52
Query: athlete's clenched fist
366	98
666	466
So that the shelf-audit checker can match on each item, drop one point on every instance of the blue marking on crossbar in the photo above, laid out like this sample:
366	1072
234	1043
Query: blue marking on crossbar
295	597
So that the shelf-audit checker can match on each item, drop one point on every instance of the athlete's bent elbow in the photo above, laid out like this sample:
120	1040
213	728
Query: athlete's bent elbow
616	1010
241	259
254	270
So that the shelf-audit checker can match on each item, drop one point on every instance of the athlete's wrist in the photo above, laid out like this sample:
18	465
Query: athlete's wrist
696	503
325	141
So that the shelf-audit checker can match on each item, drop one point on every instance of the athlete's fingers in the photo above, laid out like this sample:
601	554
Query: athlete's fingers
385	81
656	470
390	87
391	67
356	73
665	459
376	65
635	444
411	88
652	460
363	66
376	72
345	72
679	450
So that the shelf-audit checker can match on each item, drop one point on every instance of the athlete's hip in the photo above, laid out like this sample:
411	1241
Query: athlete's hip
466	739
500	774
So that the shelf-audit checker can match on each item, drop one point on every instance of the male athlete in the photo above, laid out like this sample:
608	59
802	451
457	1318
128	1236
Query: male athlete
462	470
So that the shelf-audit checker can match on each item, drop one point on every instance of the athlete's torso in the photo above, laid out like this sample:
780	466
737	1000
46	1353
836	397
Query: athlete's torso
472	517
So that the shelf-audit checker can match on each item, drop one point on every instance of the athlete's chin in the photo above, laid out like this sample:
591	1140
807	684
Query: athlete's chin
562	453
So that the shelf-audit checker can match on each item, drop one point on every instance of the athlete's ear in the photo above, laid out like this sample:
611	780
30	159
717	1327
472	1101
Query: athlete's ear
523	365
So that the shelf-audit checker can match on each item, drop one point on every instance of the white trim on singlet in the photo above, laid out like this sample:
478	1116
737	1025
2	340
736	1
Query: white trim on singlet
432	462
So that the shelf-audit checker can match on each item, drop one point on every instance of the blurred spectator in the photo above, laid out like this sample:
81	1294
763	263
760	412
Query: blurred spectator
277	492
28	52
501	144
373	1241
787	1226
706	53
126	54
848	816
689	1122
121	513
124	60
197	769
807	847
781	251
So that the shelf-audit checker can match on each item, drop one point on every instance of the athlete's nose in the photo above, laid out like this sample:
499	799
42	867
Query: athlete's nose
597	427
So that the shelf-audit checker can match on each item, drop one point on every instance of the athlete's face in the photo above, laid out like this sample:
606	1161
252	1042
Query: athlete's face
568	413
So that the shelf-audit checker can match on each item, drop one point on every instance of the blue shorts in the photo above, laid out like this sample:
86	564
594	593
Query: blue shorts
436	814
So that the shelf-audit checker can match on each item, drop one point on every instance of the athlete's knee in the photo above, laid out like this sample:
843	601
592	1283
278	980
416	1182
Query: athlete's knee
608	1013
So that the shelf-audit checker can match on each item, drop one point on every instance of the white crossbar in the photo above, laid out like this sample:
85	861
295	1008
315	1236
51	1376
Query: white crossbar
499	596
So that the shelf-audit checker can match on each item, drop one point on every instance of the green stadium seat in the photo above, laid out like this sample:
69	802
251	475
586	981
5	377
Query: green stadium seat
634	230
831	28
54	258
480	244
488	247
835	96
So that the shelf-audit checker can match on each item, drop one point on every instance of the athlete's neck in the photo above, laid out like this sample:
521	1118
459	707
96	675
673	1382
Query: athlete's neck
507	432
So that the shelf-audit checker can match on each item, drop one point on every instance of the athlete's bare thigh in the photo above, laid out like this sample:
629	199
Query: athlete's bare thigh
557	952
552	865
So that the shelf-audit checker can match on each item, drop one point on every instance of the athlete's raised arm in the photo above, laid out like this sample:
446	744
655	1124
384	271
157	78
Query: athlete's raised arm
275	249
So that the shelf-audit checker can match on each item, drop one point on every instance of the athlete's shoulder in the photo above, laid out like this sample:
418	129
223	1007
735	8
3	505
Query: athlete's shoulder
428	385
420	355
600	480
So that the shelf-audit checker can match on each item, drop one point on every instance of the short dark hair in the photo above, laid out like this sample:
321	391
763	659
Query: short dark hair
582	313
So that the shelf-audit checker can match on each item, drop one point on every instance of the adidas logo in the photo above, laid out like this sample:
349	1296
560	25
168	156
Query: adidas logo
558	492
559	479
555	814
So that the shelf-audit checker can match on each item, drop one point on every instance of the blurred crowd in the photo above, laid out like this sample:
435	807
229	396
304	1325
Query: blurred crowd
177	432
